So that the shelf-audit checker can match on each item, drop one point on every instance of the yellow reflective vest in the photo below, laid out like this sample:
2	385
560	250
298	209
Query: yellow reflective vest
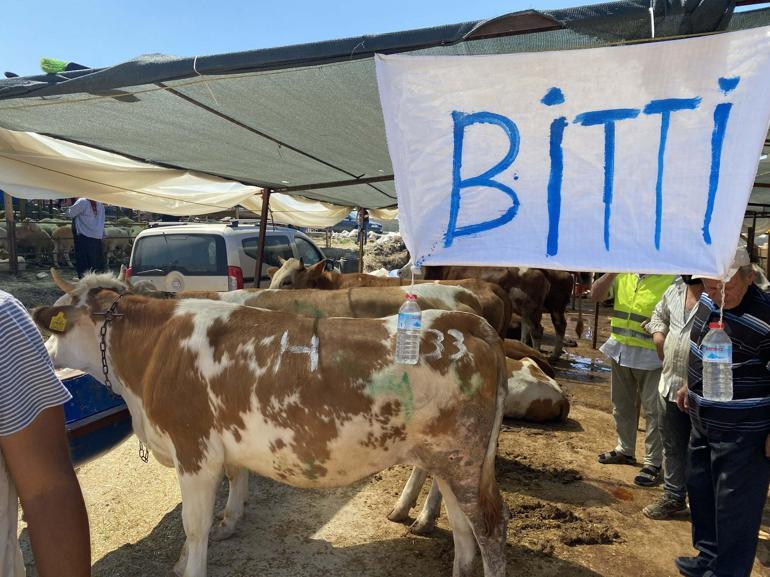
635	299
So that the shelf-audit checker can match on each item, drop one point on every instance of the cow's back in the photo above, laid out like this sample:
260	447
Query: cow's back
359	302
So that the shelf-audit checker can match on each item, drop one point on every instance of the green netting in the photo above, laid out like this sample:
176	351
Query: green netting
299	115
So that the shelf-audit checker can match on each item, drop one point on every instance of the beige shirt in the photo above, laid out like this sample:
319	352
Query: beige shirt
671	319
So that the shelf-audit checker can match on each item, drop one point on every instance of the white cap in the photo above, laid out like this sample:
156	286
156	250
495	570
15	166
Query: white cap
740	259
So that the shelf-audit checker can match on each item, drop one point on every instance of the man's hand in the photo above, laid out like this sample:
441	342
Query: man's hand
659	339
681	399
767	447
601	287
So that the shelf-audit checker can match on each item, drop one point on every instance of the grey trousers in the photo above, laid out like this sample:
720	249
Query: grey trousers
675	431
626	385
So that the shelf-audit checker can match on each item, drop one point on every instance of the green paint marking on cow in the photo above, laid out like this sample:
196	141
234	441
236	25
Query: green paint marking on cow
387	384
470	388
307	310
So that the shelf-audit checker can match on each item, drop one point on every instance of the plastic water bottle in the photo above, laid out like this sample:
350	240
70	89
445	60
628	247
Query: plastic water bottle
408	334
717	351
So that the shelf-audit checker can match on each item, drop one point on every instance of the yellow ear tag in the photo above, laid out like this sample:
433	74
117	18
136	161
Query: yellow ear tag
58	323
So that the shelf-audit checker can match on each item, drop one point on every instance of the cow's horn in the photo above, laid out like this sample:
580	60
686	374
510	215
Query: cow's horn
60	282
122	273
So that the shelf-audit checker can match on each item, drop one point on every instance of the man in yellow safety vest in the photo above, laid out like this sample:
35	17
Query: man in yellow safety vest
636	367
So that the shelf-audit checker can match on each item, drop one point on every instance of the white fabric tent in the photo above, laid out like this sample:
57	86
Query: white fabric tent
37	167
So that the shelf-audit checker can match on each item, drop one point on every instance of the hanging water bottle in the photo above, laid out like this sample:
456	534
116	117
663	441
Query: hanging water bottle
408	334
717	351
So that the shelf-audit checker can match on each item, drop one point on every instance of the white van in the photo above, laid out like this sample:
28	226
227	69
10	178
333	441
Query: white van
212	257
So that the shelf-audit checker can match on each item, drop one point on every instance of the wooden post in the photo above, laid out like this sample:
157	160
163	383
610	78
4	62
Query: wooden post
361	239
262	231
11	228
750	238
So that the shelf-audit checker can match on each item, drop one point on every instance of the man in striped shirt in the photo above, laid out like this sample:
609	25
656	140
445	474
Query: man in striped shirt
729	452
34	456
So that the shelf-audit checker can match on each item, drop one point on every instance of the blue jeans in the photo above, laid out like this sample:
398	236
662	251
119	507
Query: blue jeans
727	482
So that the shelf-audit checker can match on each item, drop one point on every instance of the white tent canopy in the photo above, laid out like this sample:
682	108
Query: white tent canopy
37	167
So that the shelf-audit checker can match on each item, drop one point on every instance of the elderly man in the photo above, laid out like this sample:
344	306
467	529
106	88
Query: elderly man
635	367
729	466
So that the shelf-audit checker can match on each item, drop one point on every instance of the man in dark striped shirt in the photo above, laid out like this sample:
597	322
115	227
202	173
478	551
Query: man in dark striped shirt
729	453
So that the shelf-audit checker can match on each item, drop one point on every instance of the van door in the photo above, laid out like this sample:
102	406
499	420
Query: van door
307	252
181	262
276	245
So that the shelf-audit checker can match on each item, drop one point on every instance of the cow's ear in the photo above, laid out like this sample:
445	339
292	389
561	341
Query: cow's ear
271	270
317	269
56	320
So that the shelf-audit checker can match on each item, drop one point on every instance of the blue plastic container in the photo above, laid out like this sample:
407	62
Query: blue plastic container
97	420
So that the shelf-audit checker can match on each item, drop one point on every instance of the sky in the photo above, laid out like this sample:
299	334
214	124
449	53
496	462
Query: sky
99	33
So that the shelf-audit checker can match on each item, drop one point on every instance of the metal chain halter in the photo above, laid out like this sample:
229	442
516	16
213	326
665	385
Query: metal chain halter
109	315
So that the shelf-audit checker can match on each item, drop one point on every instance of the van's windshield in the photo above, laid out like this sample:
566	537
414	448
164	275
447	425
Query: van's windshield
190	254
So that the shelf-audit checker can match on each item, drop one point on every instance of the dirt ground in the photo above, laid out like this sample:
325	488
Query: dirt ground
570	516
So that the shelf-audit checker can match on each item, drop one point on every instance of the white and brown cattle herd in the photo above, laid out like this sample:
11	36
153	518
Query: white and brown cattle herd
301	386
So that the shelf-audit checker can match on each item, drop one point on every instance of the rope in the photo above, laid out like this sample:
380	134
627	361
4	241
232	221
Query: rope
206	83
722	304
652	17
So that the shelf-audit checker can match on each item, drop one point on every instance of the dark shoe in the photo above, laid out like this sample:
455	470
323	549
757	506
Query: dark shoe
665	507
648	476
691	566
616	458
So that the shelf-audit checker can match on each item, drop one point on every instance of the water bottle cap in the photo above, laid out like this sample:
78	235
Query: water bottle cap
716	325
410	297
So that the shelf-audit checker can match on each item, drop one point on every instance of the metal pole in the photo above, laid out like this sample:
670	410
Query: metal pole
262	231
596	326
361	239
11	228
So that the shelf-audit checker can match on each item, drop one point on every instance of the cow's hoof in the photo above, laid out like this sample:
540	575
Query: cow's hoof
222	531
398	516
422	527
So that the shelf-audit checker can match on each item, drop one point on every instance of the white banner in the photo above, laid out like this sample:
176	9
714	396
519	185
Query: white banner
633	158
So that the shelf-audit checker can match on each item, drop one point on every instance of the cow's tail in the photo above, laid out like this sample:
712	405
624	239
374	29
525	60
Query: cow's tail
489	493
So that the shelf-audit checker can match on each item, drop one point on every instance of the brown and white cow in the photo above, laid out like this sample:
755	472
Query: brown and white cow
517	350
526	287
531	396
311	402
293	274
531	290
353	302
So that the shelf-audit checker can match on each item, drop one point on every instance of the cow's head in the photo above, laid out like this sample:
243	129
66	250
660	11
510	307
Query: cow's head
74	320
293	274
